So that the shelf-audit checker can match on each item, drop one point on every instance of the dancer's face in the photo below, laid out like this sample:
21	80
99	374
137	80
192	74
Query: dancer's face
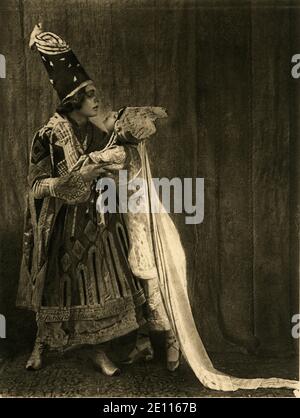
90	103
110	120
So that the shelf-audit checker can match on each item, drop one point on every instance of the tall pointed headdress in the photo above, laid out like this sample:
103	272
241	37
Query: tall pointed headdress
65	72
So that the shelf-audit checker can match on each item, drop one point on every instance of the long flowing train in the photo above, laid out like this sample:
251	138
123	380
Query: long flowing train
171	267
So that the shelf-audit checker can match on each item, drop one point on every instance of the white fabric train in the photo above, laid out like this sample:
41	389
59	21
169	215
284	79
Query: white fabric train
171	267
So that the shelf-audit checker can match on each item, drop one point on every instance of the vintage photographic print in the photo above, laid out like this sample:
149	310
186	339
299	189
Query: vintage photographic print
150	214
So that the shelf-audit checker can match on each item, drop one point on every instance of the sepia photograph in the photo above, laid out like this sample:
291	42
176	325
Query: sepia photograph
150	211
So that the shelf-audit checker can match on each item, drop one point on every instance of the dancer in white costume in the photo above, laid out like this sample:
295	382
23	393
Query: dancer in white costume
170	263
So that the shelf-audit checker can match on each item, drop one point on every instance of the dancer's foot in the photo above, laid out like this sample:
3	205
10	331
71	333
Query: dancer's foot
104	364
142	351
173	352
35	360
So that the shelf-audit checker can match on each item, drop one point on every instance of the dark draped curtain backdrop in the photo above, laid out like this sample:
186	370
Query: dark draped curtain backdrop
223	71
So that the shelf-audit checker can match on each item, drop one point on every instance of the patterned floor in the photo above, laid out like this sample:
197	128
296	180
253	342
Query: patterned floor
71	376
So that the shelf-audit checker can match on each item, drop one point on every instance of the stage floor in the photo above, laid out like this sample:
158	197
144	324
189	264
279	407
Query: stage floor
72	376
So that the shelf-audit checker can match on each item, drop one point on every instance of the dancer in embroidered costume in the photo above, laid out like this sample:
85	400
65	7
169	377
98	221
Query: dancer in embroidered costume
74	271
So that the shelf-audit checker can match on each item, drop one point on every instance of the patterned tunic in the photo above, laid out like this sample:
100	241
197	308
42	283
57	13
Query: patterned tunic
89	294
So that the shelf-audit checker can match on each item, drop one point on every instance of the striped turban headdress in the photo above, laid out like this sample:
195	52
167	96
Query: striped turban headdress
65	72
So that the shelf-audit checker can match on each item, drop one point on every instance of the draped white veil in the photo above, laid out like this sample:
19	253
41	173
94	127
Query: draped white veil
171	268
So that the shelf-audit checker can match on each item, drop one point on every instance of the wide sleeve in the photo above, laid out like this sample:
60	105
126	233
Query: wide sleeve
71	187
115	157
